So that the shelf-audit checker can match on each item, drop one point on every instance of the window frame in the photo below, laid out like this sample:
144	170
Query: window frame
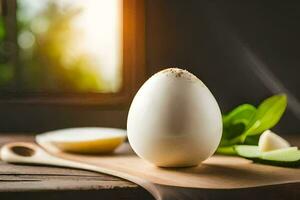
133	65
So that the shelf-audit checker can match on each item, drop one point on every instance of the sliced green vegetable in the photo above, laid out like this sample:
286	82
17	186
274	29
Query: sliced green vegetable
245	123
287	157
294	164
247	151
286	154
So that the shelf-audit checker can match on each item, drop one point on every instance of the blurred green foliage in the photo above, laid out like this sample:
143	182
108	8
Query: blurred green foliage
46	42
6	70
2	29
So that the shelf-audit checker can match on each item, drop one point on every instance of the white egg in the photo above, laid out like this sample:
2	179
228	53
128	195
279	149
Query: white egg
174	120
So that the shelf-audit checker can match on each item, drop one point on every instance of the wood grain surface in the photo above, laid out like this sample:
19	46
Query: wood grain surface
217	172
49	183
218	177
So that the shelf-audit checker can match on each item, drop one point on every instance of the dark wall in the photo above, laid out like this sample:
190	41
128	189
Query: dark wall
244	51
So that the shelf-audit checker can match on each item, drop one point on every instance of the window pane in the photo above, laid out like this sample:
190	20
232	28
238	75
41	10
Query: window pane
70	45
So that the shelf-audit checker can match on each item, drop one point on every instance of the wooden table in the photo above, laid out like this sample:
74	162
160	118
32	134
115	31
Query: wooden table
48	183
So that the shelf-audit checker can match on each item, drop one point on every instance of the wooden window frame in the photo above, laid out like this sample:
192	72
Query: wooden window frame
133	67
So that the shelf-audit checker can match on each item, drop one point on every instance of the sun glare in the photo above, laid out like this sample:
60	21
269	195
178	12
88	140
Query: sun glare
71	44
100	22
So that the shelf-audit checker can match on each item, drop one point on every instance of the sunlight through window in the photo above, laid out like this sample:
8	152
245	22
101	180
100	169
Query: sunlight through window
70	45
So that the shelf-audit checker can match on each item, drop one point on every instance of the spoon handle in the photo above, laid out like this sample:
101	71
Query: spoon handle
29	153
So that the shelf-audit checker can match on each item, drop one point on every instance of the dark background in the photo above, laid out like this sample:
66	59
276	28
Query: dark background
244	51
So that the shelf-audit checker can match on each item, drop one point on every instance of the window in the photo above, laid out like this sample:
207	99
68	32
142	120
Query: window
70	51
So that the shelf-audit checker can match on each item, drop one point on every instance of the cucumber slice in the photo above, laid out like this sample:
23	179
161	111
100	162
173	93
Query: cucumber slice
286	154
247	151
287	157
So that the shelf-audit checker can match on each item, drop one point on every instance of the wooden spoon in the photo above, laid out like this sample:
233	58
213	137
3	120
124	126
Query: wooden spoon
30	153
217	178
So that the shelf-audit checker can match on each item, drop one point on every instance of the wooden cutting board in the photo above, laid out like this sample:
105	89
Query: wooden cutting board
216	173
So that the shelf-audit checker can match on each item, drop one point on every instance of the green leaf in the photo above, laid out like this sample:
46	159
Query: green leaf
269	113
244	124
267	116
242	113
235	122
252	139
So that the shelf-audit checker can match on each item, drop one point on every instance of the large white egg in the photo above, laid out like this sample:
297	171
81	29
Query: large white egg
174	120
